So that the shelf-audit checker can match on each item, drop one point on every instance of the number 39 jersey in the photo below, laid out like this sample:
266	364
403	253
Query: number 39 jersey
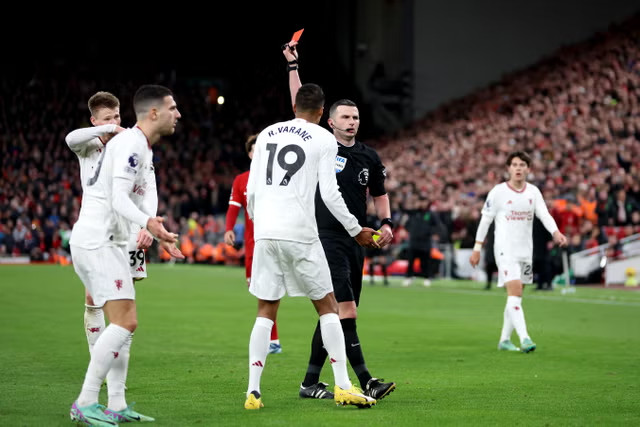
127	156
290	160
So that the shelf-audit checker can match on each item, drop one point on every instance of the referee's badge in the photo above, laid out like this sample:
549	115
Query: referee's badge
340	163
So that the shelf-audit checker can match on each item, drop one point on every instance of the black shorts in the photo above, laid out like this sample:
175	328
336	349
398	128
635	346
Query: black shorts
346	260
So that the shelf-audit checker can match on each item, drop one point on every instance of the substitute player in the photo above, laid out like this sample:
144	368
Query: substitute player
290	160
98	245
512	205
239	200
88	144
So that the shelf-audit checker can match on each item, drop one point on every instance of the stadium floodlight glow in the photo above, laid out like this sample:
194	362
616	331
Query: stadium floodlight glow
220	100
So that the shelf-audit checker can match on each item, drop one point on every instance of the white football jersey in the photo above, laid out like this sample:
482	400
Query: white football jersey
290	160
88	146
128	155
513	212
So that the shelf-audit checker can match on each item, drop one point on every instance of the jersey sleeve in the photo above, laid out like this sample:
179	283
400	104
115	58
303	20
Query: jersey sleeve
126	166
150	200
489	211
234	205
490	208
543	213
80	140
378	174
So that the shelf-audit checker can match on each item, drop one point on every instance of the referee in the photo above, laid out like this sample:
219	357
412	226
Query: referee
358	170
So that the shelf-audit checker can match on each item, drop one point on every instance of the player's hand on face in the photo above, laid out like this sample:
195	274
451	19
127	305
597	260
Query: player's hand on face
145	239
172	249
386	236
155	227
365	238
230	237
289	53
560	239
474	259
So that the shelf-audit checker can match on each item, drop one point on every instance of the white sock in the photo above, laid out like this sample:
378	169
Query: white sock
258	350
93	325
507	326
117	377
105	351
516	314
333	339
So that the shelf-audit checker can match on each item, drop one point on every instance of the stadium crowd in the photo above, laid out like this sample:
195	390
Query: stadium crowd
577	112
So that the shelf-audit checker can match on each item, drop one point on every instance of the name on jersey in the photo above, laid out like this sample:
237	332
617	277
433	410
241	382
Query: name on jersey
292	130
520	216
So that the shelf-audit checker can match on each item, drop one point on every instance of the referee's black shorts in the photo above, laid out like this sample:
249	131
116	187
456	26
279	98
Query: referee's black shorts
346	259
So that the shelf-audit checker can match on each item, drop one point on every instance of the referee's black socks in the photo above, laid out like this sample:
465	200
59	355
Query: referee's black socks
354	351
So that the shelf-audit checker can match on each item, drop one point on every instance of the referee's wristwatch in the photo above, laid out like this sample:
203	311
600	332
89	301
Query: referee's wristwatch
386	221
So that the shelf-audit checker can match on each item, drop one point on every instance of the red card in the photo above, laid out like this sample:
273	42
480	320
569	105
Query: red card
296	35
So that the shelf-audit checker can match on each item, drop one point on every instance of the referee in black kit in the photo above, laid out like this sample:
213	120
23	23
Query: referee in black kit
358	169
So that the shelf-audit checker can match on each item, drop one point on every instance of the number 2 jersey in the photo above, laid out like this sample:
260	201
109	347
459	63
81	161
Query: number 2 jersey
513	212
128	158
290	160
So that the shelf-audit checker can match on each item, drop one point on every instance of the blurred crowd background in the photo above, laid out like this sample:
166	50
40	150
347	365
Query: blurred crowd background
577	112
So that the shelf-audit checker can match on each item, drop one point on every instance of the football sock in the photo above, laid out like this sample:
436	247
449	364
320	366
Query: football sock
274	333
354	351
316	360
507	326
258	350
516	313
117	377
93	325
105	351
333	339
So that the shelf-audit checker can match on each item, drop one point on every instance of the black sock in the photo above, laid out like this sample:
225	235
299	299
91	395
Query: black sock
354	351
316	360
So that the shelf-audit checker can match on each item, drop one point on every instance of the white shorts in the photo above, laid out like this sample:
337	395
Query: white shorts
297	269
509	270
136	258
104	272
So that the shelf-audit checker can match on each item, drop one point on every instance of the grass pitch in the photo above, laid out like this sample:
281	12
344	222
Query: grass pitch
189	356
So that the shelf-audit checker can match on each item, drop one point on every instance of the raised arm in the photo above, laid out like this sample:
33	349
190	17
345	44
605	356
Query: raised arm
547	220
291	55
79	139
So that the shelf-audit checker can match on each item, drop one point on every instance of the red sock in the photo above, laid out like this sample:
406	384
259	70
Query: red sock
274	332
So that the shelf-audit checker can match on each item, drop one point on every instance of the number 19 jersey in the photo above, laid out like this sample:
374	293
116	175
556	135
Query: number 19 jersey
291	159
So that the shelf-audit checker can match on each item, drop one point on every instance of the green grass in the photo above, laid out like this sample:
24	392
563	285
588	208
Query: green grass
189	356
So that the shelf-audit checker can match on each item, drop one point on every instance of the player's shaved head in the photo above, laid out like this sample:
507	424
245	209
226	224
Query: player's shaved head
149	96
103	100
309	98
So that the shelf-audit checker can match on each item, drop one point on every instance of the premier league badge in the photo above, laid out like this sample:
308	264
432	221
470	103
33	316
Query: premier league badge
340	163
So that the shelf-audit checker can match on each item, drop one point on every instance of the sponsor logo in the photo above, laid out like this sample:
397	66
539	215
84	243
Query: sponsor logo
141	268
258	364
138	189
118	284
332	360
530	201
93	330
516	308
355	345
341	162
115	354
509	202
363	176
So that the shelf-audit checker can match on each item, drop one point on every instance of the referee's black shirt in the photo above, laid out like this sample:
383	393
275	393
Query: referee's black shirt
358	168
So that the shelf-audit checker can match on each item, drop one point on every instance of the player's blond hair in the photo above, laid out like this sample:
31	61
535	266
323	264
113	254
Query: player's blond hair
102	100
